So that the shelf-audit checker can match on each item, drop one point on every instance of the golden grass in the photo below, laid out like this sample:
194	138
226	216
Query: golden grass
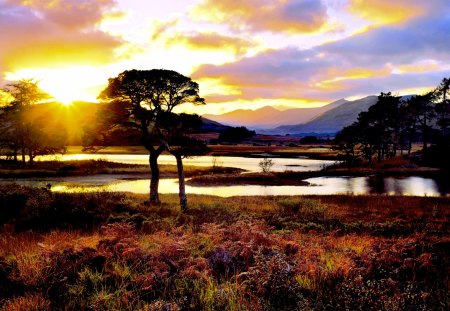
240	253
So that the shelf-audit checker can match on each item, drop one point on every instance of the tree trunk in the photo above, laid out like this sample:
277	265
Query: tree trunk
425	134
181	184
154	181
31	157
23	154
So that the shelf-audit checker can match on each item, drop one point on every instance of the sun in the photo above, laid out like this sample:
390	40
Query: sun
66	85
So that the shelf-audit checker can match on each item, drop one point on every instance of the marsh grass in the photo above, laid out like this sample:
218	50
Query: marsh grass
110	251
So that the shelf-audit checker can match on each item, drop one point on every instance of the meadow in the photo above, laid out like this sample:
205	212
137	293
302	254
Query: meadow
110	251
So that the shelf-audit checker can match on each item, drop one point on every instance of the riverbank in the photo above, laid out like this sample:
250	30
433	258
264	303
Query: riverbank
290	178
321	152
108	251
12	170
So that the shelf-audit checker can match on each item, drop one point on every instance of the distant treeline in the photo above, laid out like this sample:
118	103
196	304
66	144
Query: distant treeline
393	124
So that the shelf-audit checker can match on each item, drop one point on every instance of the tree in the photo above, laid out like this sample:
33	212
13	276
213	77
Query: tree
266	165
346	144
176	130
24	131
423	111
375	132
141	98
236	134
442	96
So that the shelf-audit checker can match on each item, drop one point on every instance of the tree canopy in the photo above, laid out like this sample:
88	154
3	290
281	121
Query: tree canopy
141	102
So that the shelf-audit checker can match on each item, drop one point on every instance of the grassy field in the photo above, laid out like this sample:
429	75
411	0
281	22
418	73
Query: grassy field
110	251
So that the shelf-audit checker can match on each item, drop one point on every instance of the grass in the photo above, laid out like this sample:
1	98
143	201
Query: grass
9	169
110	251
319	152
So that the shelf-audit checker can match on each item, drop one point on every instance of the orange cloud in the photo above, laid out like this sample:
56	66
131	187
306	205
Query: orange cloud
212	41
386	11
338	82
84	50
290	16
44	33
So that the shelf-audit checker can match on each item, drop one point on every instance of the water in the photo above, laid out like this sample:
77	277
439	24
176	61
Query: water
417	186
409	186
248	164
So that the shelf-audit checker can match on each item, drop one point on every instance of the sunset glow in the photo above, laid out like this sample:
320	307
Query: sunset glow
288	53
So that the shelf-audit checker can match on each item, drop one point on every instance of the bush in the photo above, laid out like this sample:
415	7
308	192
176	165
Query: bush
266	165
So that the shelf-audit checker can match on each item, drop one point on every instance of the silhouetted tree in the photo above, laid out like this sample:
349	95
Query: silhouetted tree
176	130
442	97
346	142
309	140
140	98
375	132
236	134
422	111
23	131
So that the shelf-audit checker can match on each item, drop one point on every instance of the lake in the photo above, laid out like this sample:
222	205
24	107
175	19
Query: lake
416	186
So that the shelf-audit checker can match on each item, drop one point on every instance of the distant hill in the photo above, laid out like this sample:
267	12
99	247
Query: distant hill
212	126
333	120
269	117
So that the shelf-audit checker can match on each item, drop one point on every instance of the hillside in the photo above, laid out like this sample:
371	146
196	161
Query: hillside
269	117
333	120
212	126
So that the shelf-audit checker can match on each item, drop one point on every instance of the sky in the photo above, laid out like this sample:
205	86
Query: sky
244	54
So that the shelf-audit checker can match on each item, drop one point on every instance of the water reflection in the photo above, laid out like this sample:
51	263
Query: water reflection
416	186
249	164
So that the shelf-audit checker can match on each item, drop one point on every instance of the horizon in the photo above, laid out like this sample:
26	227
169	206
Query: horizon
288	54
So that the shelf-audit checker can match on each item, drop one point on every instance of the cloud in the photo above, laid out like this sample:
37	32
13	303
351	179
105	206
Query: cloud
51	33
289	16
391	12
211	41
424	38
383	59
70	14
160	28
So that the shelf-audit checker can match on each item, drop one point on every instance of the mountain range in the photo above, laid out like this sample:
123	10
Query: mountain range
328	119
270	117
331	121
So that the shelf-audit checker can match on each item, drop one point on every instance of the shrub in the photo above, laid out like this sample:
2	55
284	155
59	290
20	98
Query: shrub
266	165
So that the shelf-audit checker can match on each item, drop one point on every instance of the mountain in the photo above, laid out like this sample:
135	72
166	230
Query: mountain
269	117
212	126
333	120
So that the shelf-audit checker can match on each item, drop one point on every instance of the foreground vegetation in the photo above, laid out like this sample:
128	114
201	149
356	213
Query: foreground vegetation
109	251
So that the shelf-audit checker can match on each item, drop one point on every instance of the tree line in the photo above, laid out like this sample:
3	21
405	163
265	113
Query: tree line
394	123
